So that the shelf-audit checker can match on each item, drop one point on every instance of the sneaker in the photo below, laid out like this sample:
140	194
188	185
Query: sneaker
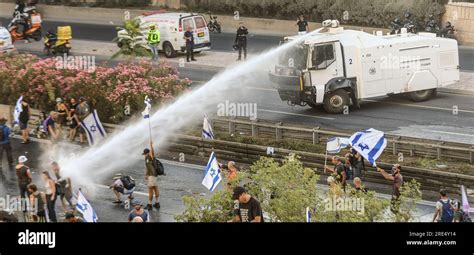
117	202
193	59
238	59
157	205
149	207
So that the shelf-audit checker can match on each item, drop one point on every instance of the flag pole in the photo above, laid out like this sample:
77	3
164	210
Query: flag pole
149	128
325	160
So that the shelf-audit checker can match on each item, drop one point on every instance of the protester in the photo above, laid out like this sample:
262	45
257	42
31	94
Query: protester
138	211
38	203
241	40
358	185
153	41
50	187
444	210
150	178
73	122
248	209
66	188
50	126
71	218
62	114
357	163
339	170
81	112
460	216
5	145
122	185
397	182
302	24
24	176
23	121
189	37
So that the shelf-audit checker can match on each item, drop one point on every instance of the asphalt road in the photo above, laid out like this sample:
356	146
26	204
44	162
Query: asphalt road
220	42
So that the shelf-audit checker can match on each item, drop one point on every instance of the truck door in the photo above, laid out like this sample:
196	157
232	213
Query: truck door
325	64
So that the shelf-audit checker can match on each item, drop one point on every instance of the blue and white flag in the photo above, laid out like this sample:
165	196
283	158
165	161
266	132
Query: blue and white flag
84	207
336	144
308	214
17	111
207	130
212	176
93	127
146	112
369	143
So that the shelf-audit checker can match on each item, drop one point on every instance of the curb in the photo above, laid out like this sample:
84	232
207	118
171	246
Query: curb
456	91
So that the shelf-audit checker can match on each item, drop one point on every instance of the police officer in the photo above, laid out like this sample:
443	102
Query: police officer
189	37
153	40
241	40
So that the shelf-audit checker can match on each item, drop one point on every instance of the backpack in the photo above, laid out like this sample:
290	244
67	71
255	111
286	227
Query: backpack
158	167
128	182
447	213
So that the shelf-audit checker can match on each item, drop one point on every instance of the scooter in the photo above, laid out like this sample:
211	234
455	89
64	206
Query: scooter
32	31
54	46
213	25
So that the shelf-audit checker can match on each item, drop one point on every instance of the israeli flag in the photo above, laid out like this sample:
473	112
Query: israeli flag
336	144
212	176
207	130
17	111
146	112
94	129
84	207
465	201
369	143
308	214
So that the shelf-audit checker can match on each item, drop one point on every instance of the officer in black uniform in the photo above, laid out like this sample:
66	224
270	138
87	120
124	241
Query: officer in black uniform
241	40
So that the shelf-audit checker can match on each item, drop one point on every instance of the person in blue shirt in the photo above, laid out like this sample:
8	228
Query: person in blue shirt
189	37
5	144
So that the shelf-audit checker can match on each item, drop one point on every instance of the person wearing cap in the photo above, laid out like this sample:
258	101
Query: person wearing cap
81	112
150	178
24	176
71	218
247	208
5	145
23	121
153	41
119	188
63	113
138	211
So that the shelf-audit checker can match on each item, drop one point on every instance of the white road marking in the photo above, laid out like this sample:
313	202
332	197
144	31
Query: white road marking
296	114
419	106
448	133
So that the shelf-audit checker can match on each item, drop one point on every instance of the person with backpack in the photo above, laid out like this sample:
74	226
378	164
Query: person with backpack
151	174
5	145
24	176
444	210
123	184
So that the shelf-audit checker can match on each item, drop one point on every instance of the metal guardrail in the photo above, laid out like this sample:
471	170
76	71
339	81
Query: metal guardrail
315	135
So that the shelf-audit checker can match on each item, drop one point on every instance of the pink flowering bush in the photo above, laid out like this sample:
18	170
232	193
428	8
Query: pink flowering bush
107	89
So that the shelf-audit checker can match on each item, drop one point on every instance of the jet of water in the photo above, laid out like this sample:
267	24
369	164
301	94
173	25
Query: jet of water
125	146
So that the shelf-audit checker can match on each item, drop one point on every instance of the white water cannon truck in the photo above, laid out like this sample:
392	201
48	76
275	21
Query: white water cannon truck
339	68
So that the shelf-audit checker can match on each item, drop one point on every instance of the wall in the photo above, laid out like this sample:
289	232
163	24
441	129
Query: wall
461	15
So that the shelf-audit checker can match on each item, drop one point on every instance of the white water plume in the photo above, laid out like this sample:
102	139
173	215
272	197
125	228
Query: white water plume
123	148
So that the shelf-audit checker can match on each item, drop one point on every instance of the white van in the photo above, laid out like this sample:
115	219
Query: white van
172	27
6	44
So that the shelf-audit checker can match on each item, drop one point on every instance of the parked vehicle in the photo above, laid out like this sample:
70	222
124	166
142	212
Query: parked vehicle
6	44
213	25
432	25
30	22
448	31
338	68
58	43
395	26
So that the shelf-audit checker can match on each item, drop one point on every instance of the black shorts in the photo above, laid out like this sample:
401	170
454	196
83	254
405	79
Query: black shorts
119	189
23	125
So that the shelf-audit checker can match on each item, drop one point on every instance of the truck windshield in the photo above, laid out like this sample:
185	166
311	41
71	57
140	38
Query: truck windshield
295	57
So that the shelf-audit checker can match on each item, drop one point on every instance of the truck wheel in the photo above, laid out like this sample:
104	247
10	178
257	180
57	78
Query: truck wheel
335	101
169	51
422	95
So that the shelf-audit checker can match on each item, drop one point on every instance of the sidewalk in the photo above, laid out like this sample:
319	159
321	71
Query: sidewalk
208	60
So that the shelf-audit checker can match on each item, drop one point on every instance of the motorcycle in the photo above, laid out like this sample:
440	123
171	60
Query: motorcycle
432	25
411	26
30	22
213	25
448	31
54	46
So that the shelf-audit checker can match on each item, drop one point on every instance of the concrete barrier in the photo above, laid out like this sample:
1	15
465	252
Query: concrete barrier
461	15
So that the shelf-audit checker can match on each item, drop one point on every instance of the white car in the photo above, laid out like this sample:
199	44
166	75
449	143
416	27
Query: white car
172	27
6	44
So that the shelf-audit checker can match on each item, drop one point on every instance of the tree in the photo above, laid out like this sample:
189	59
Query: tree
131	40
